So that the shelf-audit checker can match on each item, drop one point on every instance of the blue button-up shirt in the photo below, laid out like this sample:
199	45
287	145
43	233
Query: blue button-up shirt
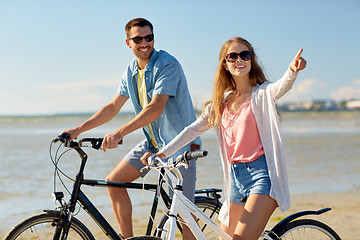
163	75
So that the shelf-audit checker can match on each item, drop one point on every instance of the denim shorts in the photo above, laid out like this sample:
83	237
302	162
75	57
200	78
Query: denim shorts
189	174
249	178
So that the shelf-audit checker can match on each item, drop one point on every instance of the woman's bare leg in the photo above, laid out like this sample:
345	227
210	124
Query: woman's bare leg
234	216
257	212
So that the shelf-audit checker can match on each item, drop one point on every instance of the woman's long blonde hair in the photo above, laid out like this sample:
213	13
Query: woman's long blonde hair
224	81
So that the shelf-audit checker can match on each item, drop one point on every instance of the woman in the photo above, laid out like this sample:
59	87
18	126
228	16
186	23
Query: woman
244	115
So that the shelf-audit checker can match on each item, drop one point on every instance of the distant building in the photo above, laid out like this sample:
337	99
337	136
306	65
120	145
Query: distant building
353	104
321	105
314	105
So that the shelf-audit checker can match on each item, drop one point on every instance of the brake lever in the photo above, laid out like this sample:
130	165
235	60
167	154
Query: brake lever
146	168
64	138
97	145
152	162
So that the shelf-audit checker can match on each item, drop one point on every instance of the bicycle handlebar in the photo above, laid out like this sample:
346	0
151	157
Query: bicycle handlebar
65	138
154	160
195	154
181	161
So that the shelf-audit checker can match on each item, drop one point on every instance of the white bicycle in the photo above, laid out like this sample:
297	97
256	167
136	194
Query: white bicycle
183	210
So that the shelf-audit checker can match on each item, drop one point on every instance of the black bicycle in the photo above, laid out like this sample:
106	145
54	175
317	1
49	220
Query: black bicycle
61	222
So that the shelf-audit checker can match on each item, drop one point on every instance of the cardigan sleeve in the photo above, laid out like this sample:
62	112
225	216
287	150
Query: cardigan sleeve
189	133
283	85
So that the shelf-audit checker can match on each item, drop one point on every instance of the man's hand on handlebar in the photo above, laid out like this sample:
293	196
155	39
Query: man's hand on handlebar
111	141
73	132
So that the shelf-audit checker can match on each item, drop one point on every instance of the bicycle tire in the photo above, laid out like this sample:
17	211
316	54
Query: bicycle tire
208	205
42	226
307	229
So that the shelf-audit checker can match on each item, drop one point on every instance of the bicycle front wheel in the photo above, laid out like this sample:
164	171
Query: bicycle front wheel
307	229
43	226
210	206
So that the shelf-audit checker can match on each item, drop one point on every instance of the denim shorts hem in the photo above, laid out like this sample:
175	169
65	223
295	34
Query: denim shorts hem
249	178
238	200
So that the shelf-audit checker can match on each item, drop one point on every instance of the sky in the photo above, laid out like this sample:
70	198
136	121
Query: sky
68	56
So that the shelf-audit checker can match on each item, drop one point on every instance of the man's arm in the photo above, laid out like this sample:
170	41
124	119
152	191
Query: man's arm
149	114
102	116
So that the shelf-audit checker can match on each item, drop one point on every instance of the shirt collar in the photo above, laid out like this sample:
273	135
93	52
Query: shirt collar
149	66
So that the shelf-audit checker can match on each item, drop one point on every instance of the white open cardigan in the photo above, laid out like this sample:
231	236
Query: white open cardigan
263	100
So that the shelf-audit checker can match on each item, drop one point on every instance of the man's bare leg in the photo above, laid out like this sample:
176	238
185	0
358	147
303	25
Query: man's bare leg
120	201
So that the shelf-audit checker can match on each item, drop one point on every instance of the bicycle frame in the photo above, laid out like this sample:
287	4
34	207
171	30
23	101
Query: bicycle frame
90	208
183	207
79	196
100	220
97	217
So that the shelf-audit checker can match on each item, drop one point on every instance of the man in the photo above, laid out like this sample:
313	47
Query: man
157	87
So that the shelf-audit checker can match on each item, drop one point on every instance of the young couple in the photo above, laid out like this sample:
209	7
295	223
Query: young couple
242	112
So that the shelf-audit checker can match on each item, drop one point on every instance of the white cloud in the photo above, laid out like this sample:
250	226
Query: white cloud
303	90
356	82
351	91
307	86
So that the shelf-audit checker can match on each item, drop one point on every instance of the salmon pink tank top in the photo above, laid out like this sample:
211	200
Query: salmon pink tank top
241	138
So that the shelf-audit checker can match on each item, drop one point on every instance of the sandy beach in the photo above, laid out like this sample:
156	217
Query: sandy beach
344	217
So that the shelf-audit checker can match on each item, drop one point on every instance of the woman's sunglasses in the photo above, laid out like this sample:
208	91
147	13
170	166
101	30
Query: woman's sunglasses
138	40
244	55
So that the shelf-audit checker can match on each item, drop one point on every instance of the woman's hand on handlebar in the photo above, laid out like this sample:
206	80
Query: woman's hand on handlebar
146	155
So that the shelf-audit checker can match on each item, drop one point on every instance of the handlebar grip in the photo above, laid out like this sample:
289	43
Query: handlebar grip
195	154
64	137
97	142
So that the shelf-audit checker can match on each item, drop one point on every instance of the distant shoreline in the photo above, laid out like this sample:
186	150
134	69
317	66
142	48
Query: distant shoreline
322	114
309	113
59	115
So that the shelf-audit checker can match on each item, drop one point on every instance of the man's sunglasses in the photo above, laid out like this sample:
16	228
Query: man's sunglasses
244	55
138	40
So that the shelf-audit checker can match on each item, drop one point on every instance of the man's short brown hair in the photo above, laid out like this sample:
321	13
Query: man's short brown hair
140	22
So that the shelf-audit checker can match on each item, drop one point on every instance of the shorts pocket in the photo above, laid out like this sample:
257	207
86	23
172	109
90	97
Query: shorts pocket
257	170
